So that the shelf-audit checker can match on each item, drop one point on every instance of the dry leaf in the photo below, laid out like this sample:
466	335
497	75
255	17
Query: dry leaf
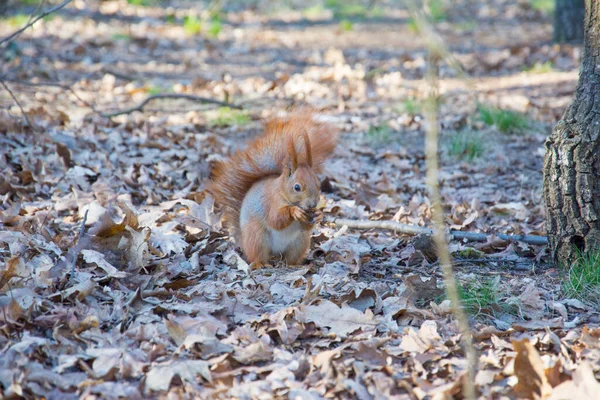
530	371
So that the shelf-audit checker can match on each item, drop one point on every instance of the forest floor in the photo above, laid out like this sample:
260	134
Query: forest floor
162	304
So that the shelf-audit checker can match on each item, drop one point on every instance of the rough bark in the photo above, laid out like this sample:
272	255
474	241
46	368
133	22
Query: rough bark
572	161
568	21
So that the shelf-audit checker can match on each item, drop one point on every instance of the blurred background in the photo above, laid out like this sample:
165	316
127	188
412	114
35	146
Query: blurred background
504	81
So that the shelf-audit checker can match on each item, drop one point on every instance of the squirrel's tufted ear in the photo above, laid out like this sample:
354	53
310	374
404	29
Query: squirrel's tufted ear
292	160
308	149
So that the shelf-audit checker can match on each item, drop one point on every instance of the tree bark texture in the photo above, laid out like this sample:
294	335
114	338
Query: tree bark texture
572	160
568	21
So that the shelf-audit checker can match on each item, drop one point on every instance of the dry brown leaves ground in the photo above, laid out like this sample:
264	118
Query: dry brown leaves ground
163	305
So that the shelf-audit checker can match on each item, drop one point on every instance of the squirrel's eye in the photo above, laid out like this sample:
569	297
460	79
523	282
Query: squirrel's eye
297	187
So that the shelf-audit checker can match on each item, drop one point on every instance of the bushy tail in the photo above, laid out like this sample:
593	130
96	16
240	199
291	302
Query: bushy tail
265	156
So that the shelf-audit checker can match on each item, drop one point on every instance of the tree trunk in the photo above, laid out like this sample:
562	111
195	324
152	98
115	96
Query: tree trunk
572	161
568	21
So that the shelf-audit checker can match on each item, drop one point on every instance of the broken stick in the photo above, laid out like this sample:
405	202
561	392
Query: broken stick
140	107
417	230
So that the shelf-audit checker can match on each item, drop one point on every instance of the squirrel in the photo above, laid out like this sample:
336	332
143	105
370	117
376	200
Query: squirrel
269	191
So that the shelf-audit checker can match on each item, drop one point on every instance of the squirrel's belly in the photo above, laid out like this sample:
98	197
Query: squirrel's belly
282	240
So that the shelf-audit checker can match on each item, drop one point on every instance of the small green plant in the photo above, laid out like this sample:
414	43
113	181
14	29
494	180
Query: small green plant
413	26
582	280
171	19
226	116
192	25
215	26
333	3
543	6
466	145
152	90
371	74
350	10
17	20
379	134
505	120
346	25
437	10
479	297
411	106
540	68
344	9
314	12
142	3
469	252
120	36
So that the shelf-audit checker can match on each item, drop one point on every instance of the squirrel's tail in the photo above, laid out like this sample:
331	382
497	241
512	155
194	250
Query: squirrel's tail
265	157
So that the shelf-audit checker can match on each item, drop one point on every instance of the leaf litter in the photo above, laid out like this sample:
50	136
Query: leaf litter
162	304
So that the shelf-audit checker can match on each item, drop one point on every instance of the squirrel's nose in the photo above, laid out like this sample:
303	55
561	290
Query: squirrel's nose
312	204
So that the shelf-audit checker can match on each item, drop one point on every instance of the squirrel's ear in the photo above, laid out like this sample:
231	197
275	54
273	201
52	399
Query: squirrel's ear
292	157
308	149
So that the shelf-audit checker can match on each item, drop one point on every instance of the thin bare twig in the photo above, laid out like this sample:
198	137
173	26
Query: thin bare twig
64	86
18	104
31	22
439	236
454	235
78	245
140	107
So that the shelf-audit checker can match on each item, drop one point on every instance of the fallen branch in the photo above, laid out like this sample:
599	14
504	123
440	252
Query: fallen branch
456	235
140	107
30	23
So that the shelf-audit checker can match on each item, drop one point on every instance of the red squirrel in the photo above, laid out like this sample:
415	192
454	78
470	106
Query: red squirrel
270	190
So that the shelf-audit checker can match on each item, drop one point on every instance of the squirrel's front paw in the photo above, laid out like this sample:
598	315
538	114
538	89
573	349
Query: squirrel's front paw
317	217
299	215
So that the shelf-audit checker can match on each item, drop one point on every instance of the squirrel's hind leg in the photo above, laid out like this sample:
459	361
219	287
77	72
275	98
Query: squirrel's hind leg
253	243
296	253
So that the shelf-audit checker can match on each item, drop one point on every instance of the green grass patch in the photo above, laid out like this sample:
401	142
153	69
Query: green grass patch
215	26
142	3
210	27
506	121
153	90
466	145
469	252
378	135
120	36
437	10
350	10
226	116
344	9
346	25
479	297
413	26
171	19
314	12
192	25
17	20
411	106
540	68
543	6
582	279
